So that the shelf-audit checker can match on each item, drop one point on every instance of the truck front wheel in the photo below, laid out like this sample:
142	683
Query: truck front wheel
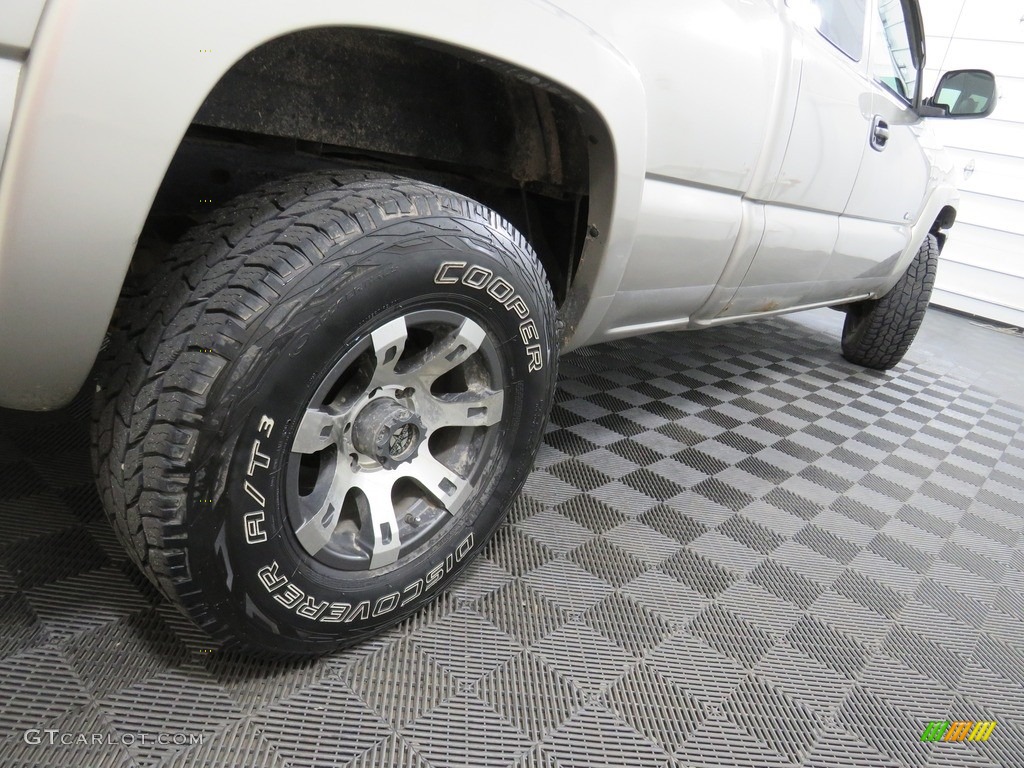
878	333
340	393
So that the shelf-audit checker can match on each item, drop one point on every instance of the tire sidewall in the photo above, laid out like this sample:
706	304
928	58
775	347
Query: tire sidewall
241	547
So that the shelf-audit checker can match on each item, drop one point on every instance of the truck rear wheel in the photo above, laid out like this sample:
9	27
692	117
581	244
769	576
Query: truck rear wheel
878	333
340	394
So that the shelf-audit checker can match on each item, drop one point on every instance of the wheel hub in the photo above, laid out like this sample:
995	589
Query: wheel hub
387	432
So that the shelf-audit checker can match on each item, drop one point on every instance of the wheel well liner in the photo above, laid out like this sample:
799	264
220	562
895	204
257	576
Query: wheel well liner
945	220
361	97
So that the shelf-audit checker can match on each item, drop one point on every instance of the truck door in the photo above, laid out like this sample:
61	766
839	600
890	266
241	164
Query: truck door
822	160
711	74
892	184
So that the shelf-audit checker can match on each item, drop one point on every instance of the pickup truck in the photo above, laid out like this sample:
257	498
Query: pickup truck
319	259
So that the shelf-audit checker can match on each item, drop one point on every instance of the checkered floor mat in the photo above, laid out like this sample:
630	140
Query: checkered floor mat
736	549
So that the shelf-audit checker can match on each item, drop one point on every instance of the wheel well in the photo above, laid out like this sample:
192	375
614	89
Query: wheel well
363	98
945	220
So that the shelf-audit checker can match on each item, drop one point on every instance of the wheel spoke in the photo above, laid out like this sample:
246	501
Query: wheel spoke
445	485
451	351
315	432
387	540
388	345
317	529
465	409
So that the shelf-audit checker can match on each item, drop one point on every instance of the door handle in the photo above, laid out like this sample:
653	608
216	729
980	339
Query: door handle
879	133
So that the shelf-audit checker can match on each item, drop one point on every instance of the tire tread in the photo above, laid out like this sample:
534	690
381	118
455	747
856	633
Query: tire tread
877	334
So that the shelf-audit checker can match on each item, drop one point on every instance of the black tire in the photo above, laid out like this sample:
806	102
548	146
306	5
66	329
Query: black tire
142	312
312	338
878	333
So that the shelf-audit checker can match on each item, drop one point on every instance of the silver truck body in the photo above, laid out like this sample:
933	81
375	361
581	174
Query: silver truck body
731	172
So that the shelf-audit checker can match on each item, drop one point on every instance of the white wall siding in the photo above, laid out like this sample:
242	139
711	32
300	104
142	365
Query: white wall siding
982	266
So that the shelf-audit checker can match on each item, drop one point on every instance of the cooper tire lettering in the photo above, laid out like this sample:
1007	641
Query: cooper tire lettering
536	357
499	289
442	278
477	277
500	283
518	305
528	331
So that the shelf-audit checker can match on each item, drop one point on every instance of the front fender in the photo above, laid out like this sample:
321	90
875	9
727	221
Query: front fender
111	87
942	192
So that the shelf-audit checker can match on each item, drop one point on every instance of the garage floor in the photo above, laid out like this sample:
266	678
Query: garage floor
737	549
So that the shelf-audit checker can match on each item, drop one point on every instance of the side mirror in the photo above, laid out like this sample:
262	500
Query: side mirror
962	94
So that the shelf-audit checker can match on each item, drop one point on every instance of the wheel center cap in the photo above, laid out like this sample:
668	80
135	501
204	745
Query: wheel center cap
387	432
401	441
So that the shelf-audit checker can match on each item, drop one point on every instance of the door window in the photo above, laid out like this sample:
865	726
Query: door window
841	22
892	60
